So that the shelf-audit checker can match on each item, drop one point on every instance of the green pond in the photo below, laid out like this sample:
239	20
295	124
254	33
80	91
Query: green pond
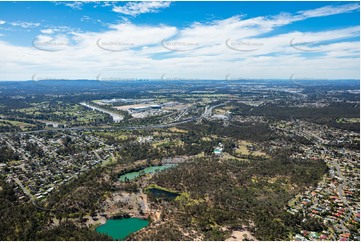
148	170
160	193
119	229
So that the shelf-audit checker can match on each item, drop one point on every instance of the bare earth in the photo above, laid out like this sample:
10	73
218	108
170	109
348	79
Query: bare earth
241	236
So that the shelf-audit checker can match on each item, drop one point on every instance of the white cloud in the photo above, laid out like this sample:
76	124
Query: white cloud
329	10
78	5
52	29
2	22
136	8
47	31
25	25
322	54
85	18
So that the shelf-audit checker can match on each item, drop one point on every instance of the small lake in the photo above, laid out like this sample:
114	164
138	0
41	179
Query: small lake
148	170
119	229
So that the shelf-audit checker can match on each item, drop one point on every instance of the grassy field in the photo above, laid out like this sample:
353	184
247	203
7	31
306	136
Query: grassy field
22	125
29	111
244	149
168	143
177	130
348	120
118	135
223	110
63	113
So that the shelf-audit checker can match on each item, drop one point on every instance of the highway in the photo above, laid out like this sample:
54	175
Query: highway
182	113
116	117
208	110
207	113
106	127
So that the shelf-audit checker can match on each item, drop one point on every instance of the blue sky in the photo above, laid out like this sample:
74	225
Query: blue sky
179	40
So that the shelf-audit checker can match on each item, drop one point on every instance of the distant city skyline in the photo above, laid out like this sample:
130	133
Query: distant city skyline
179	40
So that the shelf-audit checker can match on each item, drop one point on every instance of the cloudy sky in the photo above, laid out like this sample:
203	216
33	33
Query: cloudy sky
179	40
